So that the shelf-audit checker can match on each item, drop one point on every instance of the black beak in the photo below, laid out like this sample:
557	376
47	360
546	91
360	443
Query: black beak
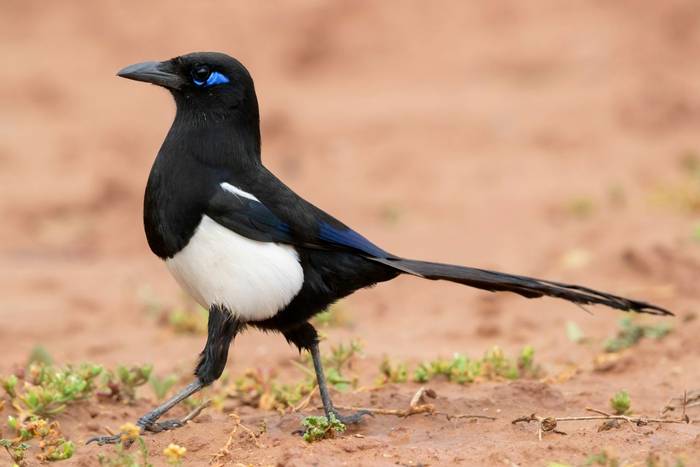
159	73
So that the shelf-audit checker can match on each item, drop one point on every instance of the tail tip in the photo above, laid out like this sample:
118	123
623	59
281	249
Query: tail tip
651	309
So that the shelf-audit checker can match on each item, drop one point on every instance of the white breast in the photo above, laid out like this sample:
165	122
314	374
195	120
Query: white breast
253	280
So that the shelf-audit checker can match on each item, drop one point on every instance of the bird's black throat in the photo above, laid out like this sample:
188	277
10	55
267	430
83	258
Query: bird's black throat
203	148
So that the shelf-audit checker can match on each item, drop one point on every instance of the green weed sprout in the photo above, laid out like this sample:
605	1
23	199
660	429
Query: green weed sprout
54	447
49	390
122	383
318	428
263	390
161	386
9	384
494	365
393	373
630	333
16	450
621	403
61	451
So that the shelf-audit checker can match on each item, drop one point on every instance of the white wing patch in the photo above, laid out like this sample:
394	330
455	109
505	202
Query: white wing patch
237	191
253	280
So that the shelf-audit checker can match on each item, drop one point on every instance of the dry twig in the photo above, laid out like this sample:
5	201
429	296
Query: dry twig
417	405
689	399
225	450
305	402
195	412
549	424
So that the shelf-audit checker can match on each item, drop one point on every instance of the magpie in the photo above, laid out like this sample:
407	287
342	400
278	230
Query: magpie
253	252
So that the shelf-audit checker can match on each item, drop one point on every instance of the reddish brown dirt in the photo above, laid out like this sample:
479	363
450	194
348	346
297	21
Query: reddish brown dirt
458	134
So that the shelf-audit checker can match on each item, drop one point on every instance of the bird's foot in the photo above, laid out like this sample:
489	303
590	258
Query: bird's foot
102	440
353	418
148	423
145	425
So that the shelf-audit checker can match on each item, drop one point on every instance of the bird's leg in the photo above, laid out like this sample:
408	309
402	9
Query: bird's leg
149	422
222	328
306	337
325	396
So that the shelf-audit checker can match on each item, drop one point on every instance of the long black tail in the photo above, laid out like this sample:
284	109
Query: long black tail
526	286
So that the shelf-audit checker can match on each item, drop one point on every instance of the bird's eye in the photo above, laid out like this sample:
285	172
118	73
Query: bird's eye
202	76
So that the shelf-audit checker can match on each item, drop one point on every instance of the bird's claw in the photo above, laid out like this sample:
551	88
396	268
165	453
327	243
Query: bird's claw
352	418
102	440
157	427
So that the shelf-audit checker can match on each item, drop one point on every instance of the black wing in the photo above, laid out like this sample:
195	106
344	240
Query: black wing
312	228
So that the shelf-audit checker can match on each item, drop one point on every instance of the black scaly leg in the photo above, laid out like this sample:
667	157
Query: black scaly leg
223	327
306	337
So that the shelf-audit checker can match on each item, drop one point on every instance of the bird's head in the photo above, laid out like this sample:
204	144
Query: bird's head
202	83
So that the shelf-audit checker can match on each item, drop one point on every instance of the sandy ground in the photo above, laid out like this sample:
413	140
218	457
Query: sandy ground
509	135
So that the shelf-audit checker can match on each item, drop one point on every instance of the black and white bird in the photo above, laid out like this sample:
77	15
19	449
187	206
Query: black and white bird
249	249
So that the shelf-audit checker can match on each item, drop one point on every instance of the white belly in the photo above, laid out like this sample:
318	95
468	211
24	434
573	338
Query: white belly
253	280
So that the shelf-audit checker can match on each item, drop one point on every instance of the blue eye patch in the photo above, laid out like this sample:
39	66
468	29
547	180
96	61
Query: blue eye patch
213	79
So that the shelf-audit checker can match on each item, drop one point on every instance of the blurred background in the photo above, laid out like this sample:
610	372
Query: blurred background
555	139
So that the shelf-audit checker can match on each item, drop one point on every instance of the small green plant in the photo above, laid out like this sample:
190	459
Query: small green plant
337	362
48	390
9	384
161	386
263	390
62	450
54	447
460	369
526	362
496	364
621	403
422	373
121	383
493	366
630	333
15	449
318	428
392	373
440	367
342	354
